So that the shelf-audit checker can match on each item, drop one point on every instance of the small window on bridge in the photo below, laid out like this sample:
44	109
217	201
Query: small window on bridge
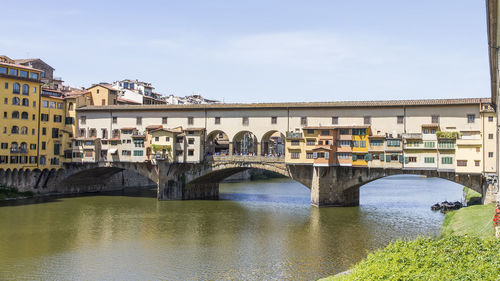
217	120
335	120
303	120
245	121
274	120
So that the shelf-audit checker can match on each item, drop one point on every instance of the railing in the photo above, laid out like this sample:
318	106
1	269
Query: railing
294	135
18	150
245	158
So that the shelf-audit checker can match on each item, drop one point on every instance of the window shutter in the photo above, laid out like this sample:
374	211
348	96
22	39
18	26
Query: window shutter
315	155
354	157
407	160
327	155
388	158
381	157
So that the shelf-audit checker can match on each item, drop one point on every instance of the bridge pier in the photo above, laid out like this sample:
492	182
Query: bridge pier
176	190
328	188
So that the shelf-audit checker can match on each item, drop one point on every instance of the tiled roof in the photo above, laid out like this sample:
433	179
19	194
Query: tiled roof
128	101
337	127
154	127
294	105
19	66
433	125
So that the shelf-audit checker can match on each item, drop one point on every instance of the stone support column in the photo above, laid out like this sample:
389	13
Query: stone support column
259	149
327	188
230	148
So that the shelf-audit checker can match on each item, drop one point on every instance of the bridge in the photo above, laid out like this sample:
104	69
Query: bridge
329	186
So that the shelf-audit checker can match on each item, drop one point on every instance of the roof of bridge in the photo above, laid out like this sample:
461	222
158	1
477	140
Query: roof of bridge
379	103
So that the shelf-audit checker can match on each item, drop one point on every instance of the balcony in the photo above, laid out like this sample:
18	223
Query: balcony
293	135
415	136
19	150
477	141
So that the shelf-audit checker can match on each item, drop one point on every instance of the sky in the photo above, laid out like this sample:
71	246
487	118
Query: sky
260	50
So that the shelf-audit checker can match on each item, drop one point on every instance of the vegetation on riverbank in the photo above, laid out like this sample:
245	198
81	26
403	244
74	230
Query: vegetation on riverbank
474	220
472	197
466	250
449	257
11	193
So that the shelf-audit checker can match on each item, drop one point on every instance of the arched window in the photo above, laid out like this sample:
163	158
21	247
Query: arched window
15	130
70	106
24	130
26	89
26	102
24	146
13	146
16	88
16	101
24	115
15	114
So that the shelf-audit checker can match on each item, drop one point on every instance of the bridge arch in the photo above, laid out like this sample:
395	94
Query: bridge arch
273	144
245	143
217	143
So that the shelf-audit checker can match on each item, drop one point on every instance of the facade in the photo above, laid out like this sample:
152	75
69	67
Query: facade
388	134
53	138
137	92
20	88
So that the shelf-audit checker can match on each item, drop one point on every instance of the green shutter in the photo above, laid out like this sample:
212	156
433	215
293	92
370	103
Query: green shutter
407	160
382	157
388	158
354	157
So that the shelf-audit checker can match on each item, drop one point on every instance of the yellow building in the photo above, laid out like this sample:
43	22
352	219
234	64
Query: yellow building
99	94
54	136
20	89
360	145
297	149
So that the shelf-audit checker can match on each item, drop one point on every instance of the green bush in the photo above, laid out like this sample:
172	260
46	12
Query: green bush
447	258
472	197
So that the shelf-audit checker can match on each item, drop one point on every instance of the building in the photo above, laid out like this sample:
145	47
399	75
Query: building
137	92
54	136
20	88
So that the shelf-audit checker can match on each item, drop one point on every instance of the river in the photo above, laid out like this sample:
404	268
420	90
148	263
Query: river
260	230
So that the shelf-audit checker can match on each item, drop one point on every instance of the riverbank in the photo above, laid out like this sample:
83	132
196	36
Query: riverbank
10	193
466	250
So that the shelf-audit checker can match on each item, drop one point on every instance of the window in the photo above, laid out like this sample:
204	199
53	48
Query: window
16	101
44	144
23	73
24	115
217	121
274	120
52	104
6	85
5	145
16	88
462	163
57	148
355	143
32	146
344	132
447	160
167	139
310	131
295	142
126	153
44	117
164	120
12	71
15	114
26	102
446	144
343	155
478	149
59	105
393	142
376	142
70	106
190	120
34	90
45	104
34	75
477	163
490	118
325	132
309	155
138	120
83	120
104	133
3	70
295	155
435	119
44	131
245	121
471	118
69	121
412	159
303	121
55	133
490	154
190	141
335	120
89	153
57	118
311	142
138	153
401	119
103	102
24	130
344	143
190	152
429	144
490	136
367	120
26	89
362	144
14	130
429	160
359	132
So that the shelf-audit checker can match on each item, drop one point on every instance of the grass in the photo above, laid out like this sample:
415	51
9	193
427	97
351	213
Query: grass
10	192
466	250
474	220
472	197
447	258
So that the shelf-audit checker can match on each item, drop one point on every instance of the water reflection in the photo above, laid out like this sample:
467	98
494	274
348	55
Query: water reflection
259	230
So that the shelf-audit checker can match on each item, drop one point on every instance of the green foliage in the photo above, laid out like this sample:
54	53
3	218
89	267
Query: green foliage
11	192
474	220
448	135
158	148
447	258
472	197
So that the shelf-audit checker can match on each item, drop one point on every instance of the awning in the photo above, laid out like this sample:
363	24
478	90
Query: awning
113	150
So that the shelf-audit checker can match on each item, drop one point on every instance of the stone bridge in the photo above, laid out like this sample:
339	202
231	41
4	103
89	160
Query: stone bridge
330	186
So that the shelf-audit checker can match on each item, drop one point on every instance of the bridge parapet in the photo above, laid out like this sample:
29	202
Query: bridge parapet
245	158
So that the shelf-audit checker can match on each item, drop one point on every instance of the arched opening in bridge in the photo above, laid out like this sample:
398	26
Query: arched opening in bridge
217	143
245	144
273	144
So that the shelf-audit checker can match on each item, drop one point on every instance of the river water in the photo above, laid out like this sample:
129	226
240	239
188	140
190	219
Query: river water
261	230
